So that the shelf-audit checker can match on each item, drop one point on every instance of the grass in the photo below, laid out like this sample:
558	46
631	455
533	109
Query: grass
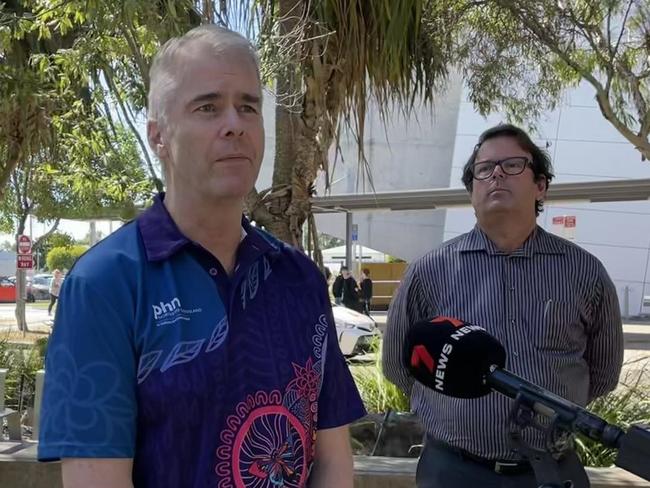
629	404
378	394
16	336
22	365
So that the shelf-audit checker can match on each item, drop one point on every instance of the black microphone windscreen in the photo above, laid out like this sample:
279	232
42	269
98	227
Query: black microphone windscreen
452	357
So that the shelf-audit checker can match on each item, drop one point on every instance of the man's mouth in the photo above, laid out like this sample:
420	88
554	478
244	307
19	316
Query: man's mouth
233	156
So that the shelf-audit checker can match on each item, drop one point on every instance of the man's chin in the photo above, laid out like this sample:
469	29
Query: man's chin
497	207
239	192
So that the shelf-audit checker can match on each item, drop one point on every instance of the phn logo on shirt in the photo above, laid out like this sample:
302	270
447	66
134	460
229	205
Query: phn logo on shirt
166	313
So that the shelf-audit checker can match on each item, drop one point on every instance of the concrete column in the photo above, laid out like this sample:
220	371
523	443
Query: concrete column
348	240
38	400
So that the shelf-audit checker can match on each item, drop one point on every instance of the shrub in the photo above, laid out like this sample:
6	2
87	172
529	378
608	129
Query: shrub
22	365
379	395
64	257
629	404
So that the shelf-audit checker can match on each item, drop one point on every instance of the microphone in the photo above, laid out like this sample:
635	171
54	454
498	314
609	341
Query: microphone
462	360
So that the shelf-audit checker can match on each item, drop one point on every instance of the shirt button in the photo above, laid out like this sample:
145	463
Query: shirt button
213	272
515	354
512	321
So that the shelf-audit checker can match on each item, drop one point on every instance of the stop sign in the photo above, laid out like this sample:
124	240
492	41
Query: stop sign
24	245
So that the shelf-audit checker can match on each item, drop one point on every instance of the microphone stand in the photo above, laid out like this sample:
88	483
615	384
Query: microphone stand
543	462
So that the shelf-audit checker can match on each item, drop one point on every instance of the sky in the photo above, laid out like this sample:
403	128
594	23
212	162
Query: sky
78	229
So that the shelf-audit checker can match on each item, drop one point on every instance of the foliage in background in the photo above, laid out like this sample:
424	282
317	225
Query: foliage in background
22	365
630	404
74	73
63	258
326	60
326	241
393	259
378	394
80	180
521	56
56	239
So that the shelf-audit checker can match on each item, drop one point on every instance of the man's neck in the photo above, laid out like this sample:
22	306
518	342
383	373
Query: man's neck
215	227
506	233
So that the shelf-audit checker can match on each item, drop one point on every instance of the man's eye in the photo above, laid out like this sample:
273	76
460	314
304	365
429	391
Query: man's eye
248	109
207	108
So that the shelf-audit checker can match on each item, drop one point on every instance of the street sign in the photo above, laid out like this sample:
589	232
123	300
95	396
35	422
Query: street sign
355	232
24	261
24	245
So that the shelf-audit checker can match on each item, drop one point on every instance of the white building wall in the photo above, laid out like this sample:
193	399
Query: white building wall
404	155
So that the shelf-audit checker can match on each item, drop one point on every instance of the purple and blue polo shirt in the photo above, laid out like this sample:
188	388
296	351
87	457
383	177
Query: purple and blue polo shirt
203	379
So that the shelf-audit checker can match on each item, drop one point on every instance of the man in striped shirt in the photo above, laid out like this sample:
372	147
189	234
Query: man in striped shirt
549	302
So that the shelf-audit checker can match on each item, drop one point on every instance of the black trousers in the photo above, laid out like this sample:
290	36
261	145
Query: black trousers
52	302
440	467
366	306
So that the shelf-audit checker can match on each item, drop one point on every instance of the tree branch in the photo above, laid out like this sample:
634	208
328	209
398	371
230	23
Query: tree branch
531	23
111	83
131	40
620	34
51	231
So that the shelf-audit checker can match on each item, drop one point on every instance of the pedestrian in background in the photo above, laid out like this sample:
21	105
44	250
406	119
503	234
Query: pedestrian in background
55	287
366	290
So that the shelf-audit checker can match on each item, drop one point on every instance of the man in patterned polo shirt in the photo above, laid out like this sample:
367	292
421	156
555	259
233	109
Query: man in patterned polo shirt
190	348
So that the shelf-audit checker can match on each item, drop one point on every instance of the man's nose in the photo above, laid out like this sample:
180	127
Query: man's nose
233	125
498	172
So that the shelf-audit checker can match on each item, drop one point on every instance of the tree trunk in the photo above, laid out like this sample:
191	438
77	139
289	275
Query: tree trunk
287	127
21	282
13	159
303	135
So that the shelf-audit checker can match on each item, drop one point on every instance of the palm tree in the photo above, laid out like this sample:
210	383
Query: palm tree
326	60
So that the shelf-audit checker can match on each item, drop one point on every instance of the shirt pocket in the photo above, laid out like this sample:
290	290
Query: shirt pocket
558	326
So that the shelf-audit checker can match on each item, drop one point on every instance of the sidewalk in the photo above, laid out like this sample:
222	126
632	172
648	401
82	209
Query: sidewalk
36	317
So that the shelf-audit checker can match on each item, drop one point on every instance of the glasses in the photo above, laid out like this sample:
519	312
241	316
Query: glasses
510	166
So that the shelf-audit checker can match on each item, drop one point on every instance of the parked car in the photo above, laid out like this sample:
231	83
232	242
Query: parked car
40	286
356	331
7	290
29	294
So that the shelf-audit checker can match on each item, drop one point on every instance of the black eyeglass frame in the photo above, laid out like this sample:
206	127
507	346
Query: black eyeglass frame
527	162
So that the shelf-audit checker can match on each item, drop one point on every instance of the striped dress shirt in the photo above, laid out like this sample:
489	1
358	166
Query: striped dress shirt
550	303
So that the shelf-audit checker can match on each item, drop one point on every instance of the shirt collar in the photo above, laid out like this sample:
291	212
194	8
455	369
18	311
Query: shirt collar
539	242
162	238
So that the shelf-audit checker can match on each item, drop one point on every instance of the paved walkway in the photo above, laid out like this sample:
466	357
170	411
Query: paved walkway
36	317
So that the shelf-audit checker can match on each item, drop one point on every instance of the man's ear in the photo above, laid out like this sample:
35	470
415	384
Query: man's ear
542	186
156	140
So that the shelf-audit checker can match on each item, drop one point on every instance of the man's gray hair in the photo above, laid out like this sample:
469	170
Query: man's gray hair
163	71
